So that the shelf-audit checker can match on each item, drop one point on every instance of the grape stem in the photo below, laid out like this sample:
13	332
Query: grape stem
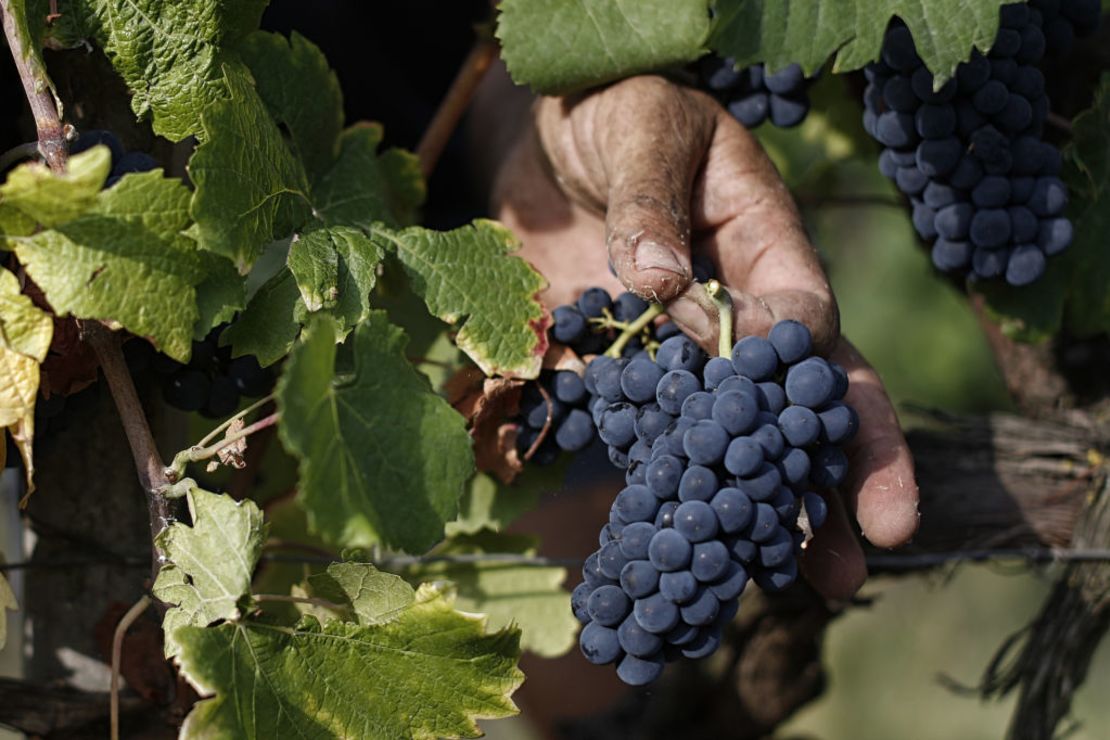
39	92
176	469
723	301
634	328
216	432
125	623
546	423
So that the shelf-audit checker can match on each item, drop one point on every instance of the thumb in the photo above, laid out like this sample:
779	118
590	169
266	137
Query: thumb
637	147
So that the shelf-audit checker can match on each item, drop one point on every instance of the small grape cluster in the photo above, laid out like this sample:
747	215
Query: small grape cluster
123	161
726	457
985	187
752	96
588	327
212	382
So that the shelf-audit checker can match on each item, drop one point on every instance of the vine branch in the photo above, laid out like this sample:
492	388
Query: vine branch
37	88
148	463
455	103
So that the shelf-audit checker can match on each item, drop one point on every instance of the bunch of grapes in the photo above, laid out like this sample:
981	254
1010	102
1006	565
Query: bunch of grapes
722	467
123	162
984	185
752	96
212	382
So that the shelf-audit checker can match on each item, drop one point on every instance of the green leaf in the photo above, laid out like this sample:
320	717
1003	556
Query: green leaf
7	602
271	321
210	563
509	593
333	268
556	46
780	33
250	189
51	199
301	92
1088	309
365	187
126	260
431	672
220	295
171	54
371	596
469	277
383	459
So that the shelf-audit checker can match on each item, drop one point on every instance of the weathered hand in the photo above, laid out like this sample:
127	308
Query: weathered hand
653	169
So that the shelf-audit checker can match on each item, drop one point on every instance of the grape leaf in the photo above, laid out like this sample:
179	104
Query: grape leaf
556	46
7	602
372	597
171	54
250	189
24	328
431	672
778	33
271	321
314	264
383	459
301	92
1088	309
365	186
254	185
210	563
51	199
528	595
25	336
503	330
125	259
332	268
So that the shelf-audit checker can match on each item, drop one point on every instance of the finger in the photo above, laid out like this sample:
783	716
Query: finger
833	560
634	150
745	220
881	486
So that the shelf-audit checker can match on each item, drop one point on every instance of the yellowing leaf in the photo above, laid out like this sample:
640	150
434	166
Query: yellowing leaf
25	334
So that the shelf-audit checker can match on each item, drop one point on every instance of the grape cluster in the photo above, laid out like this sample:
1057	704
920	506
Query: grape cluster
123	161
985	187
585	327
212	382
752	96
724	456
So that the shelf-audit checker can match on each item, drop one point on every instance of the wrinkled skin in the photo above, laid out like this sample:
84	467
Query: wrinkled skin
648	169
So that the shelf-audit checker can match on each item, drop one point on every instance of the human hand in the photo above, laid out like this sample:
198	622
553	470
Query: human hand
654	169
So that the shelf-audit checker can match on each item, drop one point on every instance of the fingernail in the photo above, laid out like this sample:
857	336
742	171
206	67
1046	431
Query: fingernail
654	256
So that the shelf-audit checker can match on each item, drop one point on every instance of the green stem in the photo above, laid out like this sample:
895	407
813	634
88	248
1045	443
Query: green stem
721	298
633	329
196	454
216	432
